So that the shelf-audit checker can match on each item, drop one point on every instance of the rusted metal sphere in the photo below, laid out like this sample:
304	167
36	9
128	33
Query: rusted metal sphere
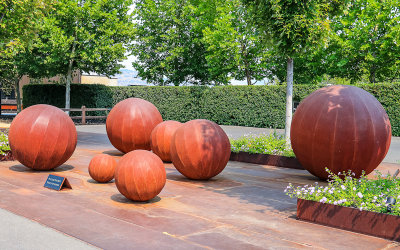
140	175
42	137
102	168
340	128
200	149
130	122
161	139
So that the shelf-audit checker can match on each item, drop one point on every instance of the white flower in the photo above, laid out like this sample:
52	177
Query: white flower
359	194
354	188
361	208
335	203
343	187
323	200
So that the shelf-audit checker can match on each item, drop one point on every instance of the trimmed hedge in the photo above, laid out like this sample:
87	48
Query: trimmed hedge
255	106
89	95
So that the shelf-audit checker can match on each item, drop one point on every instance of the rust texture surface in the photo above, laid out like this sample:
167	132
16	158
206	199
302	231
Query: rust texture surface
161	137
340	128
42	137
130	122
376	224
244	207
200	149
140	175
266	159
102	168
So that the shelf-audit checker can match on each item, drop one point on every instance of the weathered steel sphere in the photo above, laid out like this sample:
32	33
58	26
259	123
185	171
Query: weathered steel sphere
340	128
130	122
140	175
200	149
161	139
42	137
102	168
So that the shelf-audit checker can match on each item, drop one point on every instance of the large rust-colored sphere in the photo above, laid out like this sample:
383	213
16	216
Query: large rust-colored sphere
140	175
42	137
161	139
102	168
130	122
200	149
340	128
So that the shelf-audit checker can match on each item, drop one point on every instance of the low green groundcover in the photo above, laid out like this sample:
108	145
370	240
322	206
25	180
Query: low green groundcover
4	145
273	144
363	194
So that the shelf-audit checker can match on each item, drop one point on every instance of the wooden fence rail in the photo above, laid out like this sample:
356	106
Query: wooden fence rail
83	110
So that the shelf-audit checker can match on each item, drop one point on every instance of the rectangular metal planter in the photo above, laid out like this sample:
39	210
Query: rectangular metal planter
266	159
376	224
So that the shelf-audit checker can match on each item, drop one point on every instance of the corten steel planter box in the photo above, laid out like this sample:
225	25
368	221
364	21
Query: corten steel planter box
266	159
376	224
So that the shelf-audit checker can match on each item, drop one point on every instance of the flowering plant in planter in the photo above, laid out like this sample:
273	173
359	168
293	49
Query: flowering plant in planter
377	195
273	144
4	145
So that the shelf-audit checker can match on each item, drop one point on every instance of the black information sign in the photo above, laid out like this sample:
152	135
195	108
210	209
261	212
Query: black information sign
57	182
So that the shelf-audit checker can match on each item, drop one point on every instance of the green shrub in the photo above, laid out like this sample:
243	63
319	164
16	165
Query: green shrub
254	106
4	145
272	144
89	95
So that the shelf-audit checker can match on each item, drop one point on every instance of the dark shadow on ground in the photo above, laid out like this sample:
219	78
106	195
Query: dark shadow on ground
22	168
113	152
95	182
122	199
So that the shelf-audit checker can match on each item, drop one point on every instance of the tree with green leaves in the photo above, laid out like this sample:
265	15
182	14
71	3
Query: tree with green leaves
168	46
19	23
235	49
85	35
366	42
293	28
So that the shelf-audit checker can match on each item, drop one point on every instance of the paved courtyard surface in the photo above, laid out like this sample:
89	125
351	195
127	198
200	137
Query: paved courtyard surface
242	208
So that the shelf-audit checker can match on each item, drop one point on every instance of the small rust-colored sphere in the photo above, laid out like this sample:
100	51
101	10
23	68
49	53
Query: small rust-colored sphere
140	175
42	137
102	168
161	139
130	122
200	149
340	128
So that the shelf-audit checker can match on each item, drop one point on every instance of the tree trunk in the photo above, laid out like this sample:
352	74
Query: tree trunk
372	76
248	77
289	99
246	64
68	87
17	93
69	80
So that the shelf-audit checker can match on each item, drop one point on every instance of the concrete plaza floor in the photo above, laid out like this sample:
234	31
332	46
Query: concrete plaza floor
242	208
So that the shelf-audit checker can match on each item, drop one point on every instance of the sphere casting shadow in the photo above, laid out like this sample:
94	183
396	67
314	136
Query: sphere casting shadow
340	128
42	137
140	175
200	149
130	122
161	137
